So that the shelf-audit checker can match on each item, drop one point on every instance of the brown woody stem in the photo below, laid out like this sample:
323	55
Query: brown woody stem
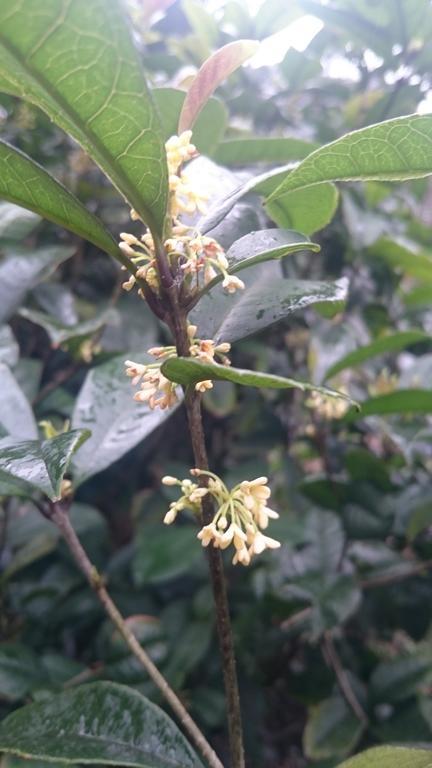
58	513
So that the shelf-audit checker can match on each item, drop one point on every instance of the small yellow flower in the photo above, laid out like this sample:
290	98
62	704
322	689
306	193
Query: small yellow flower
231	283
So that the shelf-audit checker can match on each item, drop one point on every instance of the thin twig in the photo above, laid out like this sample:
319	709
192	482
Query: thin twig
59	516
332	657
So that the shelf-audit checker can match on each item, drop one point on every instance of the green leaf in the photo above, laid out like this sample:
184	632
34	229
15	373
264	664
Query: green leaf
20	672
399	254
391	757
98	723
173	552
77	62
264	245
332	730
246	151
212	73
36	466
16	415
267	298
209	127
394	150
398	679
381	346
307	210
401	401
24	182
21	270
60	333
105	405
16	222
186	371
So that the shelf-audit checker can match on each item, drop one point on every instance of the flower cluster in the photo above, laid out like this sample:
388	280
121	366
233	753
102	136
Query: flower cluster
155	388
199	257
327	407
242	513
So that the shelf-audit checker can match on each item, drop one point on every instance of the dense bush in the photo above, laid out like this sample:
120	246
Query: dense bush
331	630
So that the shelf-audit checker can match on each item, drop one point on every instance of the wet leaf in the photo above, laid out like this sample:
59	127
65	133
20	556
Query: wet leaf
24	182
393	150
267	298
21	270
87	75
16	415
186	370
105	405
264	245
98	723
213	72
39	466
60	333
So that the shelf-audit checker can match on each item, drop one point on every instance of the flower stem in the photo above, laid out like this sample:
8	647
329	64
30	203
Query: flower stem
58	514
223	621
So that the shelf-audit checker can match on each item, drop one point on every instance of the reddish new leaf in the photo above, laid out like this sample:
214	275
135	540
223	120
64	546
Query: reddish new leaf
212	73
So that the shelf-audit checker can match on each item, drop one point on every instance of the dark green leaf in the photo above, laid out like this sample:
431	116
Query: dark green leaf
98	723
39	467
264	245
186	371
24	182
381	346
267	298
87	75
393	151
332	730
105	405
391	757
398	679
172	553
20	672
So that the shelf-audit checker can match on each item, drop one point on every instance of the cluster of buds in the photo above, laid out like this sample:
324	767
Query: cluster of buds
326	407
242	513
155	388
197	255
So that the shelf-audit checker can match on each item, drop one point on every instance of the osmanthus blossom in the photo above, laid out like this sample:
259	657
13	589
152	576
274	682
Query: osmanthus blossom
200	257
155	388
242	513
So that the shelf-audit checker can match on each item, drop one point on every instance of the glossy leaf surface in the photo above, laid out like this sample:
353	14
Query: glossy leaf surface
98	723
393	151
77	62
24	182
16	415
267	298
186	371
105	405
32	267
264	245
36	466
